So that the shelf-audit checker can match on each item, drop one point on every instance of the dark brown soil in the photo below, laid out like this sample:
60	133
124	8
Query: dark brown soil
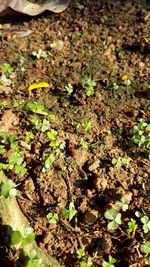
109	42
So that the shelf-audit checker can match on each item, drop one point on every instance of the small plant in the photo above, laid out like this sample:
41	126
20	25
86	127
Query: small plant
146	224
29	136
52	217
2	149
52	135
69	89
114	217
7	74
17	102
69	213
45	125
118	162
7	68
5	81
8	189
88	85
84	144
28	237
49	160
110	262
124	202
39	54
132	226
80	253
87	126
141	134
37	108
3	105
146	250
87	263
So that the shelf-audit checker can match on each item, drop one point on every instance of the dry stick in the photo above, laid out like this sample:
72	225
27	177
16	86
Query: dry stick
11	215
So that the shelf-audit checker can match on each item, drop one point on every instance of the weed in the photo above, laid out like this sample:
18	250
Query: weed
45	125
3	105
124	202
28	237
37	108
5	81
52	135
17	102
132	226
80	253
29	136
87	126
146	224
88	85
2	149
114	217
86	264
146	250
49	160
110	262
8	189
52	217
39	54
141	134
84	143
118	162
7	68
69	213
69	89
7	74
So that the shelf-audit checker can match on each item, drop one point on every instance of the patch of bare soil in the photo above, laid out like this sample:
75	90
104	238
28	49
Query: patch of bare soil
109	42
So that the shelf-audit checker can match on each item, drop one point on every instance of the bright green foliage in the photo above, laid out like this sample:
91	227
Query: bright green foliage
49	161
148	261
69	89
6	68
52	217
39	54
52	135
86	264
141	134
84	144
146	247
114	217
36	122
8	189
118	162
45	125
110	262
146	224
123	203
37	108
132	226
69	213
11	140
29	136
87	126
80	253
17	102
3	105
24	239
88	85
2	149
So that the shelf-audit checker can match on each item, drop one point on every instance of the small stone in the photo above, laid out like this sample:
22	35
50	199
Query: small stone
94	39
94	165
100	184
91	216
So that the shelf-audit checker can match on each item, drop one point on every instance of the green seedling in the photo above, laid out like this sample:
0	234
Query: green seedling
16	160
2	149
52	217
146	250
88	85
34	259
36	122
29	136
132	226
120	53
7	68
17	102
49	160
39	54
146	224
87	126
11	140
8	189
37	108
123	203
86	264
3	105
52	135
80	253
69	213
118	162
114	217
5	81
110	262
69	89
45	125
22	240
141	134
84	144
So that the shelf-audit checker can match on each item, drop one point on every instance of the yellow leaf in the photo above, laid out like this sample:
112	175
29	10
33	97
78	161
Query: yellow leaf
124	78
37	85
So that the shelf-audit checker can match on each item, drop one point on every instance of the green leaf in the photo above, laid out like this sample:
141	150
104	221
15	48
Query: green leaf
110	214
80	253
16	237
7	189
45	125
112	225
69	213
52	135
146	247
29	239
52	217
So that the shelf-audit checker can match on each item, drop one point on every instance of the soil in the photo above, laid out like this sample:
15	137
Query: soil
109	42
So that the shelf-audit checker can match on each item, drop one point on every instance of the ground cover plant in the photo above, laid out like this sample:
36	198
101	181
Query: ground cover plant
75	135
